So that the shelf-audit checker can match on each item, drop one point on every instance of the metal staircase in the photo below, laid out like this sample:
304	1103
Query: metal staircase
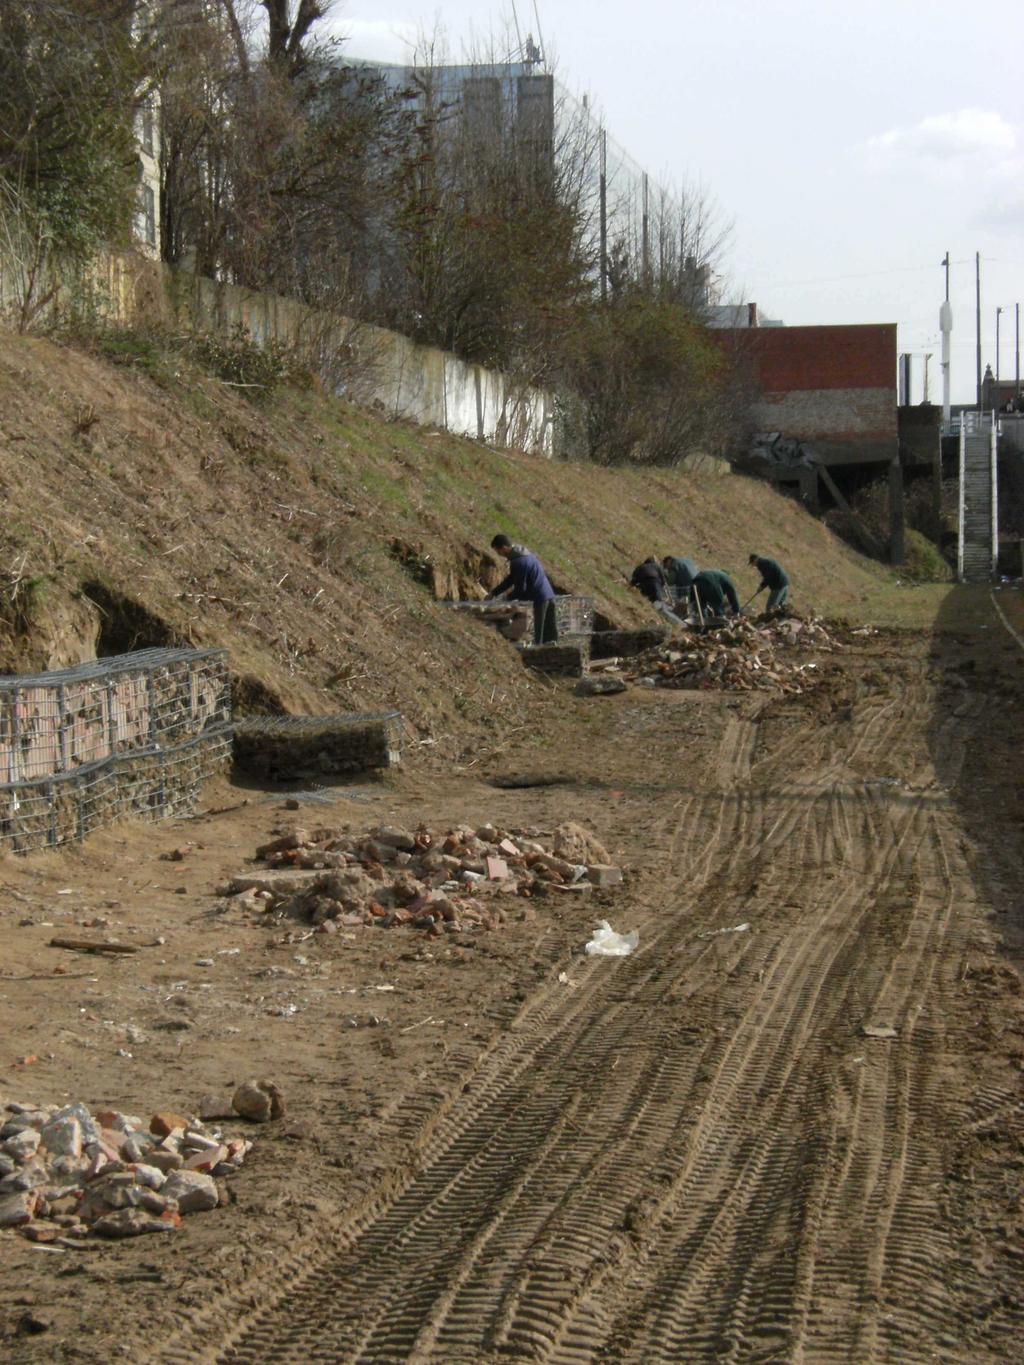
978	544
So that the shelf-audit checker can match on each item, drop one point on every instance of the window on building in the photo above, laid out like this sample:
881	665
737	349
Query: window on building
145	217
146	128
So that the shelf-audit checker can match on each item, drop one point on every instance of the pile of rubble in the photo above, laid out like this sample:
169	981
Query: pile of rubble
436	881
67	1173
741	657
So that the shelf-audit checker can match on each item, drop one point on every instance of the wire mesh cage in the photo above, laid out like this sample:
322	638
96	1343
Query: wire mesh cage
293	748
574	616
135	734
54	723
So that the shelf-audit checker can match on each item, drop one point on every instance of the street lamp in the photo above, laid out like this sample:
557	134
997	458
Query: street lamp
998	312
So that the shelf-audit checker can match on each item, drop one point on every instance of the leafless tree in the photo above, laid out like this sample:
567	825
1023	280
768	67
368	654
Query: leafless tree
273	147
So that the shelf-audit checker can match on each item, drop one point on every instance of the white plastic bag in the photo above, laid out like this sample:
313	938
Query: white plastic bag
607	943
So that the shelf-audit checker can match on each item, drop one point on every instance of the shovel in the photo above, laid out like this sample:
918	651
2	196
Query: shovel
747	603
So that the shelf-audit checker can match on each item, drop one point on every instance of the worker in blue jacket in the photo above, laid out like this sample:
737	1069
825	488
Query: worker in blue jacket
527	582
679	575
774	577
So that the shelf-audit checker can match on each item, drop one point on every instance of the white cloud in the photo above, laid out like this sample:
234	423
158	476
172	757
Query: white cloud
378	39
974	154
970	141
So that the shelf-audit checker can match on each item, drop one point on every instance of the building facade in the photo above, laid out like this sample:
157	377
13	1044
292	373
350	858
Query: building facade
146	224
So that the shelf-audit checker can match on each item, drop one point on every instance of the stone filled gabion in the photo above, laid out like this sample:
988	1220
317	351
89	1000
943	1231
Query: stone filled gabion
613	644
135	734
296	748
563	660
574	615
150	786
54	723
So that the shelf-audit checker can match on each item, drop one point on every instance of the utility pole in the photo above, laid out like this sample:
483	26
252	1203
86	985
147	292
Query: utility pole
1016	316
977	324
926	399
946	327
999	312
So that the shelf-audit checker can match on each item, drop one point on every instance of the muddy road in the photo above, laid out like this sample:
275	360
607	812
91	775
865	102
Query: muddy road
789	1128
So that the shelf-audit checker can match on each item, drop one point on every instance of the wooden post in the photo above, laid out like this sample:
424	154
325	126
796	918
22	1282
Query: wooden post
862	533
897	520
809	488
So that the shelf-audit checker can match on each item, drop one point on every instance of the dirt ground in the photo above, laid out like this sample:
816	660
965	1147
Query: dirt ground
498	1149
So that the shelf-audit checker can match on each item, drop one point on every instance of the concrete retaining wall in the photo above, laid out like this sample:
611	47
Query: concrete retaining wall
369	364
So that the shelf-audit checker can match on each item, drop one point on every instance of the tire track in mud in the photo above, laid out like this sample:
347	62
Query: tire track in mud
693	1155
727	1253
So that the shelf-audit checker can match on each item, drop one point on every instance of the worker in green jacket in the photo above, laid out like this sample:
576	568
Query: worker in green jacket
716	593
773	577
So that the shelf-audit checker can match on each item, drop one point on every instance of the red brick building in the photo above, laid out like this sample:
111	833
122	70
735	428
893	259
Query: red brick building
833	388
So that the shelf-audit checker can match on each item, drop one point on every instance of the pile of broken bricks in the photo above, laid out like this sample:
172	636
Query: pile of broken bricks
435	881
742	657
69	1173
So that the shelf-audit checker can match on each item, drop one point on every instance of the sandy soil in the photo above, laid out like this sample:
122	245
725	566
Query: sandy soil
696	1153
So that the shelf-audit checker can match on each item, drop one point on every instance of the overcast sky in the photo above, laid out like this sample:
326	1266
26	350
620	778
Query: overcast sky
850	145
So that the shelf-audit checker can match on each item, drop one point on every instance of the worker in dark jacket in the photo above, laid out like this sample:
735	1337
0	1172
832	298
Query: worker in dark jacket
715	592
527	582
774	577
679	575
649	579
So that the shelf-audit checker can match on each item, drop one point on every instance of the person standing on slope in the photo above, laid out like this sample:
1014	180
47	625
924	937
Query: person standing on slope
527	582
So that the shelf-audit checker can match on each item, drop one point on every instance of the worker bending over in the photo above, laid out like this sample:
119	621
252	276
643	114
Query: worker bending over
716	593
527	582
774	577
648	579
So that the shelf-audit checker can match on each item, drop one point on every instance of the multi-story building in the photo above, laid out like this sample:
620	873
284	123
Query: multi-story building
146	226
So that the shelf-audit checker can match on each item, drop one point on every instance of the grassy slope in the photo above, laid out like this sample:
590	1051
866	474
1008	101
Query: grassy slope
270	530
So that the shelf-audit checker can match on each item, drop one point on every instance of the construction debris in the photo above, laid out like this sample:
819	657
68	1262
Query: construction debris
741	657
606	942
67	1172
437	881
